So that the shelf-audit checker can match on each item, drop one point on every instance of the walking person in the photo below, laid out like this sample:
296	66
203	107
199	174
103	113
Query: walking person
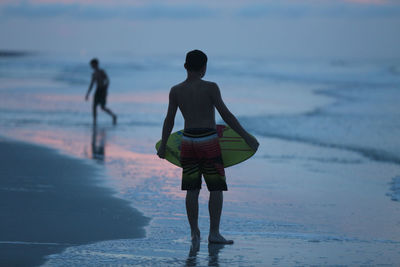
99	77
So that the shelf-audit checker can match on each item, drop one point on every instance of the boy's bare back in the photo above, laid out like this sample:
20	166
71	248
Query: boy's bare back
196	100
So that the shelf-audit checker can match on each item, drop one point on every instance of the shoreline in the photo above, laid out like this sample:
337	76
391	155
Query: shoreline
293	221
51	202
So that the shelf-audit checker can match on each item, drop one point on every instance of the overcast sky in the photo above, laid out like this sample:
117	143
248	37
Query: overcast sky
284	28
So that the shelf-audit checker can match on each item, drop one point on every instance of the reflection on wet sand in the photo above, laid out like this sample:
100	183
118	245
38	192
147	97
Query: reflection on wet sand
98	144
213	254
192	257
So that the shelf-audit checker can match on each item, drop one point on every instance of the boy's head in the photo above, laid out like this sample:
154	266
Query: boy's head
196	61
94	63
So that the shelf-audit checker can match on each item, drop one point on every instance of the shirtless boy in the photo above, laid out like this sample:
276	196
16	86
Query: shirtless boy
200	151
99	77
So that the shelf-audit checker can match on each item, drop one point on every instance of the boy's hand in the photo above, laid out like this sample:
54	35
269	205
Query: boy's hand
161	152
252	142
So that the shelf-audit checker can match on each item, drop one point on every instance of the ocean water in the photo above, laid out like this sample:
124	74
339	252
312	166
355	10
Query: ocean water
326	176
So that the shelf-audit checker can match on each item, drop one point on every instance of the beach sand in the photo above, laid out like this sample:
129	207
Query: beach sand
49	201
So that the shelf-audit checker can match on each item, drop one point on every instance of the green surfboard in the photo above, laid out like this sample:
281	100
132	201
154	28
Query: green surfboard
233	148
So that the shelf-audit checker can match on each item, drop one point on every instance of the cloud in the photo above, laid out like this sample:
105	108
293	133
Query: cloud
31	11
378	2
79	2
178	10
274	10
74	10
321	9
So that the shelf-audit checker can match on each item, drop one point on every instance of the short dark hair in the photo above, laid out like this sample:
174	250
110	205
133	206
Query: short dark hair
94	62
195	60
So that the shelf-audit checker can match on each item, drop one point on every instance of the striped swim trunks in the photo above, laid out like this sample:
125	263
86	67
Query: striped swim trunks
201	155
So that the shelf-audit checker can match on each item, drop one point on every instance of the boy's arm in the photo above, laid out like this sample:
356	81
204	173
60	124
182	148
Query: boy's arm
168	123
231	120
90	88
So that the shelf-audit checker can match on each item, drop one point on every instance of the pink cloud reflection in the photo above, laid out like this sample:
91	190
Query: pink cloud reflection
138	169
129	169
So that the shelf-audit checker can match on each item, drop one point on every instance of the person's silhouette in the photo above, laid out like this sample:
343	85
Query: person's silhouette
98	145
200	154
99	77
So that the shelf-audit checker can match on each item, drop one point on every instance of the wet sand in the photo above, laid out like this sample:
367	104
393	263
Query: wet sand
49	201
290	205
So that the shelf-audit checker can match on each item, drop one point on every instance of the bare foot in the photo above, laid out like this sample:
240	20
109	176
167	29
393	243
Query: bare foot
196	236
195	247
218	239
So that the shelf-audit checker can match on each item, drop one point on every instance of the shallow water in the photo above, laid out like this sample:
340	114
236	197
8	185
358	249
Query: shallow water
324	181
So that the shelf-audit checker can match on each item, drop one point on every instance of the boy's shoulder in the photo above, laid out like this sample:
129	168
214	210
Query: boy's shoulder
102	72
210	84
211	87
177	86
99	71
204	83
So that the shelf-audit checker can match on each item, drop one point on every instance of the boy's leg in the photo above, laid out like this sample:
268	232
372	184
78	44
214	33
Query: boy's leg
109	112
192	210
215	209
94	112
